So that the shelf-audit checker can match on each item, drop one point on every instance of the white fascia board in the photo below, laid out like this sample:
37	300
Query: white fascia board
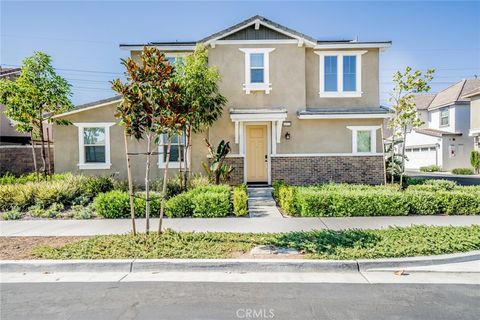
344	116
279	41
474	132
86	109
259	22
259	117
293	155
352	45
161	48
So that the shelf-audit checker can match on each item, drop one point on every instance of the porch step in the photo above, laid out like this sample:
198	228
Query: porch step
261	203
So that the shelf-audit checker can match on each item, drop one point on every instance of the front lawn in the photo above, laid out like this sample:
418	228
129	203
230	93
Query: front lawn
321	244
426	197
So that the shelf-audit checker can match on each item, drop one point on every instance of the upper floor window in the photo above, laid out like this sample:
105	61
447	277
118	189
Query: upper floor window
257	77
340	73
444	117
176	150
94	145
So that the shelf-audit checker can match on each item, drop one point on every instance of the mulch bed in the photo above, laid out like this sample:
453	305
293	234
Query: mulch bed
13	248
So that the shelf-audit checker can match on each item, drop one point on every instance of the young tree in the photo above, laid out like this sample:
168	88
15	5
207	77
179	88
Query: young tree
150	107
475	160
35	98
406	84
201	96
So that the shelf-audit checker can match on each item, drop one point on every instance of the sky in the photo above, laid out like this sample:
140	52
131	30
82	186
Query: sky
83	37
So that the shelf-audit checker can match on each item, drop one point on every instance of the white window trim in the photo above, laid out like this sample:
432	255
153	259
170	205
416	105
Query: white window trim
82	165
373	138
447	109
160	162
266	85
340	93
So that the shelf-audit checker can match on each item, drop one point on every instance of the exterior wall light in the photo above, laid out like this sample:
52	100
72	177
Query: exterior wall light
287	136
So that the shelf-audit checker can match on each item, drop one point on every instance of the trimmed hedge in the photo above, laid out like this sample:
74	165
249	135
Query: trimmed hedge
357	200
431	168
240	200
203	201
463	171
116	204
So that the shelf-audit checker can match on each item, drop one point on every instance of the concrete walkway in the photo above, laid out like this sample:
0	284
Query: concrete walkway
261	203
245	225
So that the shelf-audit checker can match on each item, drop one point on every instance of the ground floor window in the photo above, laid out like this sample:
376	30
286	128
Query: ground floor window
177	149
94	145
364	139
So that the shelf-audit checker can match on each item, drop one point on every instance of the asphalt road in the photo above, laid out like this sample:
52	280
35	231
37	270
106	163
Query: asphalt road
461	180
184	300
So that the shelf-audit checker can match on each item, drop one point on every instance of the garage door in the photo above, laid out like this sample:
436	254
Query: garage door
420	156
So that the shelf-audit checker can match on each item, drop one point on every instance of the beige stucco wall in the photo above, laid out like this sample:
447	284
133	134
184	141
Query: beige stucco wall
475	112
370	82
295	85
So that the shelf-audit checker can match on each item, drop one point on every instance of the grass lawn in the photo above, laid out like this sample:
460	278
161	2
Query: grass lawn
349	244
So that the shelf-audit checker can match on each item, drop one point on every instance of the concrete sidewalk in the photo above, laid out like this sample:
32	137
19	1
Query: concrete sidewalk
245	225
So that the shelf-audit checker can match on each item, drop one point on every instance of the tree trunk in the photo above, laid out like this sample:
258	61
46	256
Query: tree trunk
180	173
147	184
44	156
130	185
188	167
392	160
34	156
49	154
188	143
404	133
164	186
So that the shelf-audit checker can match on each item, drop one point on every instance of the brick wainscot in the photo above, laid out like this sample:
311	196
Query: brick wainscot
305	170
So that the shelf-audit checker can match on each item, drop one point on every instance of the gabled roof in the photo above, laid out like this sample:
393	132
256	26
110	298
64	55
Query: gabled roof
454	94
423	100
9	72
436	132
261	29
258	20
90	105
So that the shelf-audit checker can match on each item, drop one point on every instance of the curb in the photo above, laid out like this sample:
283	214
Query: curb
229	265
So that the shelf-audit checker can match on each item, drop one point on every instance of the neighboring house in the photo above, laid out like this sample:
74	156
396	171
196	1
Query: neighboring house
474	97
444	138
15	147
299	109
8	134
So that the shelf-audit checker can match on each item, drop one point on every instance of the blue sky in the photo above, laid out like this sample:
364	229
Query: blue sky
83	37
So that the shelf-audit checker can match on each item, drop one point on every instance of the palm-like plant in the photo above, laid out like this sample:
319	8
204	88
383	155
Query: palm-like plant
217	170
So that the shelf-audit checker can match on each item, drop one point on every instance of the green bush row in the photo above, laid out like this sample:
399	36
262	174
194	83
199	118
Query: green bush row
200	202
116	204
240	200
463	171
431	168
72	189
9	178
378	201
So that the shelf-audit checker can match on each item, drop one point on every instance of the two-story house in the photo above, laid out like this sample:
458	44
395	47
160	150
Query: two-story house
474	97
299	109
444	139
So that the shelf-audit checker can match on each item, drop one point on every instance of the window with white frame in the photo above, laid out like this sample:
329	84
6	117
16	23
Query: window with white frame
340	73
177	148
444	117
94	145
257	77
364	139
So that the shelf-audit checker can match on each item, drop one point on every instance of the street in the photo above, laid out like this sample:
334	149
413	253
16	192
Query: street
219	300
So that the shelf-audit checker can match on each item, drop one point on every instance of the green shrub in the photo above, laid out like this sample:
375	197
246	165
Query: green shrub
54	210
463	171
211	204
435	185
286	196
203	201
179	206
431	168
240	200
423	202
413	181
174	186
276	189
13	214
112	205
9	178
94	185
199	180
12	195
81	212
459	202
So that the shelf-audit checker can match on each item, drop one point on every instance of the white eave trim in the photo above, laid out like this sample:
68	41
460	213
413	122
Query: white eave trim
279	41
257	23
352	45
86	109
345	116
474	132
159	47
